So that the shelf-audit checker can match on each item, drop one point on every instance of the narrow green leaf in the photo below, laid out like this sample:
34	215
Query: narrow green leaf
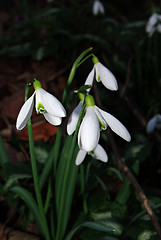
93	225
70	183
30	202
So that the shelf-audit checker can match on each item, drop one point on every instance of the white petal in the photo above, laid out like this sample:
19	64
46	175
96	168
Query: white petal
98	7
151	22
89	80
151	124
158	123
89	131
100	154
102	121
73	119
153	29
116	125
52	119
25	113
106	76
51	104
159	28
80	157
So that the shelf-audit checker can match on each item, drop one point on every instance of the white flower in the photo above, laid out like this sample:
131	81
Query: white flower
89	131
153	123
98	153
153	24
104	75
46	104
98	8
94	120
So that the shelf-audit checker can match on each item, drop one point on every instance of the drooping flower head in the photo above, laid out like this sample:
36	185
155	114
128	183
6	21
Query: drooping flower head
45	104
102	74
98	8
94	120
153	24
154	122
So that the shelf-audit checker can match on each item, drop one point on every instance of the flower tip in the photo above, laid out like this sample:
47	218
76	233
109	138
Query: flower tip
128	139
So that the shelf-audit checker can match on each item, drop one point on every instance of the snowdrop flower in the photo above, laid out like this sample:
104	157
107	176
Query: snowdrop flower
46	104
94	120
98	8
98	153
153	24
102	74
153	123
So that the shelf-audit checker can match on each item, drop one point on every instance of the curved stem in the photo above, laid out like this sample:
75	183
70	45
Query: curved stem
36	181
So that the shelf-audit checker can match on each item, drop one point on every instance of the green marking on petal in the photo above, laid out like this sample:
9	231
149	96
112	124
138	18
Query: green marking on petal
91	152
40	108
99	79
102	125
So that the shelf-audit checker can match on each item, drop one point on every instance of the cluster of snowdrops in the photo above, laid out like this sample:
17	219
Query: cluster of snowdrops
93	119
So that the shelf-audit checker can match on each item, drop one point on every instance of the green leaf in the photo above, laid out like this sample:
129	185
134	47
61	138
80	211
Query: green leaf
30	202
93	225
69	184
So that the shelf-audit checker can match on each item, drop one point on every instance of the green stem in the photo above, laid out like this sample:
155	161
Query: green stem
66	174
83	189
36	181
48	197
90	55
69	81
72	72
